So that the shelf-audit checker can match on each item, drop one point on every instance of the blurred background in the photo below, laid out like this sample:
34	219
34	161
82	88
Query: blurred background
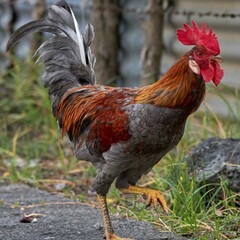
135	40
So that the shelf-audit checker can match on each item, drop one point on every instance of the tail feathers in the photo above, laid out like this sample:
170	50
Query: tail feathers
67	57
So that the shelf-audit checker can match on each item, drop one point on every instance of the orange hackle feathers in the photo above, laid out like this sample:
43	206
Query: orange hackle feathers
175	89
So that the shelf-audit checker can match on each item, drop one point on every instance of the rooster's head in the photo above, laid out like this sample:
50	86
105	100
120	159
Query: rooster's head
204	58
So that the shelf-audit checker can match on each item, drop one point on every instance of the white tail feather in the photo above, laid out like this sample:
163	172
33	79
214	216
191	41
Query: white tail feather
79	39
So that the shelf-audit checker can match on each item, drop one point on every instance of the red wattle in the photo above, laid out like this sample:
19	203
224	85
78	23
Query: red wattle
207	72
218	74
213	72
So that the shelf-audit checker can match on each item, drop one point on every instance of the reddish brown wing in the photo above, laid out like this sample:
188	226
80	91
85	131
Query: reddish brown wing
97	111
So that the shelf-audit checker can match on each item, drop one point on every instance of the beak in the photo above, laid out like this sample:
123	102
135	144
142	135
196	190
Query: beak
217	58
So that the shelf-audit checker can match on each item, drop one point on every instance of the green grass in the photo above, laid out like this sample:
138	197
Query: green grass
32	151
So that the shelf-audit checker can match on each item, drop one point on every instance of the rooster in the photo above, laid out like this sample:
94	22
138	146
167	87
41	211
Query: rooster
123	132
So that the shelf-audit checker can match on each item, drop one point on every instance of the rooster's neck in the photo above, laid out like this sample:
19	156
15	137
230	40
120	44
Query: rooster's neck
178	88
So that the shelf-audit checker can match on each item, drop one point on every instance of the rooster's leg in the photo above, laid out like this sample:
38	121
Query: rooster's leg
154	196
109	232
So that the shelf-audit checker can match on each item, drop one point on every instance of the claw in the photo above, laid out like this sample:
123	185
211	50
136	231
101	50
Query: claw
112	236
153	196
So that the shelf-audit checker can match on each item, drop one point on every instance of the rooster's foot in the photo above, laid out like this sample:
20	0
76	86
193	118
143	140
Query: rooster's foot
112	236
153	196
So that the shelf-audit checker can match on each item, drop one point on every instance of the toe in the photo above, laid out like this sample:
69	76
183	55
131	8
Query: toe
156	198
112	236
149	201
163	203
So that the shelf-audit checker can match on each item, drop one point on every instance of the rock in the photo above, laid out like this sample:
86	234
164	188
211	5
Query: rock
62	220
216	159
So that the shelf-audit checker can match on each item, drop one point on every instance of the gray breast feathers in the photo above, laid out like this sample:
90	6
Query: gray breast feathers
154	132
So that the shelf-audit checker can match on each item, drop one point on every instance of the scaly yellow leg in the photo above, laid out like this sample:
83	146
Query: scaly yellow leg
154	196
109	232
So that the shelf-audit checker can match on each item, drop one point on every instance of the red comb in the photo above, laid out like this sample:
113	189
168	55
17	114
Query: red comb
196	36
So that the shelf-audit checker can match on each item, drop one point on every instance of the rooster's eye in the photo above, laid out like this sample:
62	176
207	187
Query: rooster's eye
199	54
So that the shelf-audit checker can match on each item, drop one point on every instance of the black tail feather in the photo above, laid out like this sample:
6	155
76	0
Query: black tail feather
68	61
